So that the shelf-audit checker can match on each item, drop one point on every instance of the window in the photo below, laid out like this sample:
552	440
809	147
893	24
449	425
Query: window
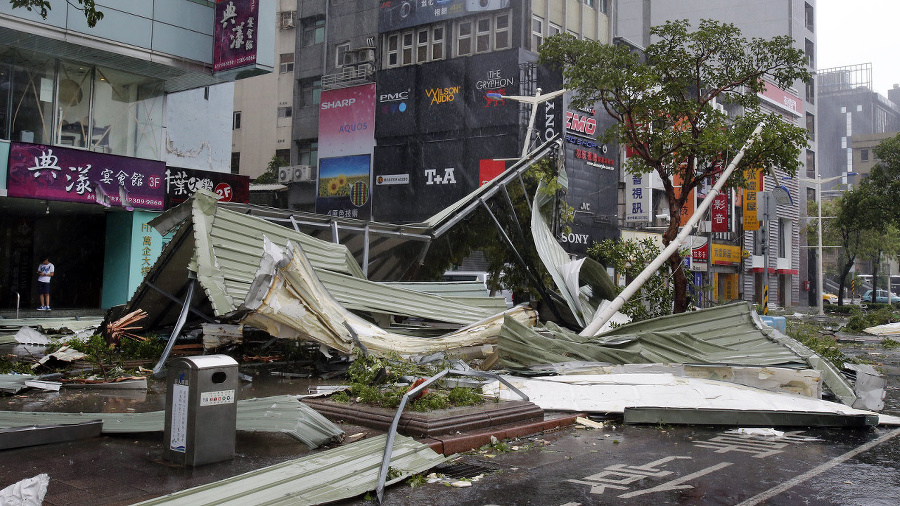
236	120
406	52
308	153
554	29
811	91
284	156
537	33
284	112
810	163
864	155
236	162
483	35
339	52
310	92
604	6
437	42
286	63
393	50
811	126
784	236
313	30
464	38
589	3
810	18
501	32
810	53
286	19
422	39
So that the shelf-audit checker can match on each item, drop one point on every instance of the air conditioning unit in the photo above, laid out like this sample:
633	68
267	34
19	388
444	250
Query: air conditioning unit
303	173
287	19
349	58
366	55
285	174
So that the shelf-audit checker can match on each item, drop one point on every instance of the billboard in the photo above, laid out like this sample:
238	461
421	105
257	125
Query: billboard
182	183
346	147
235	35
441	101
395	110
487	76
75	175
399	14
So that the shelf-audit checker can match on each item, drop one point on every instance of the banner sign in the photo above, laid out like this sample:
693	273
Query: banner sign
182	183
398	14
75	175
346	147
754	185
726	255
719	212
235	34
687	210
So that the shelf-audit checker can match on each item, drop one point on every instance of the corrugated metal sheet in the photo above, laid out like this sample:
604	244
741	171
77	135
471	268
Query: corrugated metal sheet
283	413
729	334
14	383
333	475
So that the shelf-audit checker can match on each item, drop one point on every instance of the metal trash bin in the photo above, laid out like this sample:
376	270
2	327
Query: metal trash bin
201	409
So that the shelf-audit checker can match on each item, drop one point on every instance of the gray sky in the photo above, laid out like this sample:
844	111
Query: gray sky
864	31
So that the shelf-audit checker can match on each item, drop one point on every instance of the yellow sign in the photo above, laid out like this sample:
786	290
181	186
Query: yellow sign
725	255
755	184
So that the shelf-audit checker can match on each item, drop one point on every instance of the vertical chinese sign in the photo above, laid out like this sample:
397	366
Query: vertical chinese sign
74	175
235	36
754	184
638	195
719	212
346	146
687	210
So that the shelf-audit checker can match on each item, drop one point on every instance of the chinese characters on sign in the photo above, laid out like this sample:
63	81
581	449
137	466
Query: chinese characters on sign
235	34
146	248
754	184
637	197
718	213
182	183
74	175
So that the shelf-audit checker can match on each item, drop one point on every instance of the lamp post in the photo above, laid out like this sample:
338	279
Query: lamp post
820	275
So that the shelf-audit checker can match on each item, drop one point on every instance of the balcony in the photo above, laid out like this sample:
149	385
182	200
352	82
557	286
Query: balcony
348	76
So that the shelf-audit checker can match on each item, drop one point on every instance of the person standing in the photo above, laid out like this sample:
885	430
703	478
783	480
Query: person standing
45	272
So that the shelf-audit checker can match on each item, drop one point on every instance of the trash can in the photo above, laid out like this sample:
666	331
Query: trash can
201	409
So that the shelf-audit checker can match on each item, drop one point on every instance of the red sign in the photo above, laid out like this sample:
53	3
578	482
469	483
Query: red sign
223	190
719	213
700	254
784	99
489	169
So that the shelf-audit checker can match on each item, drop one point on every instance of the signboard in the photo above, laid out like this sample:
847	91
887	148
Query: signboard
75	175
754	184
784	100
637	198
487	76
346	146
719	213
398	14
182	183
395	108
688	209
441	96
235	34
723	254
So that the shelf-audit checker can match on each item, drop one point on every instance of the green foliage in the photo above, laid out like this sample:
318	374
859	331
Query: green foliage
91	14
270	176
109	359
889	344
417	480
812	337
860	320
9	364
629	258
664	105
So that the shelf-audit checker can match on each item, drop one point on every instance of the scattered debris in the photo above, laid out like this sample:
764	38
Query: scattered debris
27	335
28	492
589	423
20	437
64	354
115	331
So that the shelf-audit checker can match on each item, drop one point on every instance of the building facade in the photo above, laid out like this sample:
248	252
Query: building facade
786	269
101	128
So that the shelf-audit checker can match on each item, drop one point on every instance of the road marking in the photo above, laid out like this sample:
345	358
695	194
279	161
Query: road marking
677	484
772	492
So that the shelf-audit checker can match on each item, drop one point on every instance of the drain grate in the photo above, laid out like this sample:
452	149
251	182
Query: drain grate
463	469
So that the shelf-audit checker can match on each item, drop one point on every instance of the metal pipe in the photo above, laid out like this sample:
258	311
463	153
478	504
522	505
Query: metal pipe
158	369
651	269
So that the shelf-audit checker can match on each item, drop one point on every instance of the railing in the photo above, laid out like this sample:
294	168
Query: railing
349	76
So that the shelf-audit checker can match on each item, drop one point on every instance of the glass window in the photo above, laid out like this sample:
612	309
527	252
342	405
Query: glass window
127	114
313	31
537	33
308	153
437	43
811	125
483	35
589	3
810	163
464	38
407	52
393	48
284	112
236	120
422	45
501	32
32	98
74	104
310	92
284	156
339	52
286	63
236	162
864	155
553	29
810	18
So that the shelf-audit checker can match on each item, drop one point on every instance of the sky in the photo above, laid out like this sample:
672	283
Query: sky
864	31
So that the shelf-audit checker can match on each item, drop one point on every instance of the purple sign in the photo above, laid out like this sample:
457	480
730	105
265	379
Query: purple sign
235	34
74	175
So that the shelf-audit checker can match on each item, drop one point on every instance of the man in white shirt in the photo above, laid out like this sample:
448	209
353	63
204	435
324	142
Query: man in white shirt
45	272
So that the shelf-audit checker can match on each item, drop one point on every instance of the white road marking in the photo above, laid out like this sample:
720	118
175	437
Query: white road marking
772	492
677	484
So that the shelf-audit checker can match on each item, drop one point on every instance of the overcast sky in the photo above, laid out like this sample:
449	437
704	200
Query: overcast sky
864	31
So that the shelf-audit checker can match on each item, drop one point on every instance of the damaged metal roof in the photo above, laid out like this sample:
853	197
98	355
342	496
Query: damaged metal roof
284	414
333	475
729	334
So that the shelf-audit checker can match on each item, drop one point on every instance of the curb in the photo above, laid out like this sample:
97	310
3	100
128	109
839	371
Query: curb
464	442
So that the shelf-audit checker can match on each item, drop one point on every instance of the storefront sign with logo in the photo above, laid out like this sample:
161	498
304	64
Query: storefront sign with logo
754	185
74	175
726	255
235	35
182	183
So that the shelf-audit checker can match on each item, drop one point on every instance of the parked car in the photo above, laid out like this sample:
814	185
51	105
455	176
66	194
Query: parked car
830	298
881	297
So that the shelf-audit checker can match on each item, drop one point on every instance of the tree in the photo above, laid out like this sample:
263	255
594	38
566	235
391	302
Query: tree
270	176
664	105
43	6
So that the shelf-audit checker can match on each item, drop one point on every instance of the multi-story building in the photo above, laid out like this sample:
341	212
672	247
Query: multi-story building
264	104
399	105
786	267
101	128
